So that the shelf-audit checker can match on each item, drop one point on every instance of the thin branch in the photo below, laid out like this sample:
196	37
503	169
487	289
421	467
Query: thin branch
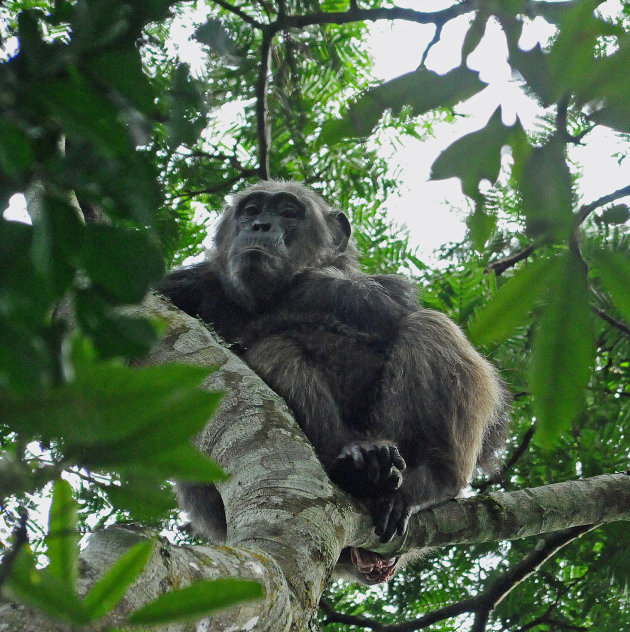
504	585
241	14
434	40
483	604
518	453
617	324
218	188
262	122
20	538
587	209
501	265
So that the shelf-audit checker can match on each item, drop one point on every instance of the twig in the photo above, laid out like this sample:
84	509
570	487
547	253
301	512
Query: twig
238	11
617	324
518	453
501	265
434	40
20	536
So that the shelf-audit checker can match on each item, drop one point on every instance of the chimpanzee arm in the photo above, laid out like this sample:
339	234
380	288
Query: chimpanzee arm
355	299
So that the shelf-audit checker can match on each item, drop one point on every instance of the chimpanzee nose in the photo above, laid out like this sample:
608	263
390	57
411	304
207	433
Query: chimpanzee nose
263	226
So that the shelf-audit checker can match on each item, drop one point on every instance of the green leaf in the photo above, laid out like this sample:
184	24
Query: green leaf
85	113
57	234
614	115
63	539
111	412
122	70
544	180
485	145
184	463
618	214
474	34
533	66
614	271
112	586
44	591
146	497
562	351
509	307
421	90
196	600
16	152
115	334
480	228
572	59
122	262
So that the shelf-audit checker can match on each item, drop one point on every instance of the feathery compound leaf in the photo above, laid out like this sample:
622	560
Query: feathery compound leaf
562	351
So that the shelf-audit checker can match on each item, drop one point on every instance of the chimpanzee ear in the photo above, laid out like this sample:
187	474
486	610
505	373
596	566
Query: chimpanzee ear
340	228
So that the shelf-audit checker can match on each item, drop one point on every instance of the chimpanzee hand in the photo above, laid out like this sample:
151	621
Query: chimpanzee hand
391	516
376	462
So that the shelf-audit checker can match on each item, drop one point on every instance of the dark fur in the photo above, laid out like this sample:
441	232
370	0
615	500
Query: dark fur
399	406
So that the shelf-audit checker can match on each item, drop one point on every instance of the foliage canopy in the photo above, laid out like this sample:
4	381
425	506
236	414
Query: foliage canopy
101	118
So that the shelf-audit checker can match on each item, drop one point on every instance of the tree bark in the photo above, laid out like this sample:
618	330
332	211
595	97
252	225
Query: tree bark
287	523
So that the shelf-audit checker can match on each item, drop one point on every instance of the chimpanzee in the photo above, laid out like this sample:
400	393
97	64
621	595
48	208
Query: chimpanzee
397	403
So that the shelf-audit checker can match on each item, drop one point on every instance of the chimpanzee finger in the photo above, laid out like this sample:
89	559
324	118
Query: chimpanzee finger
384	458
357	457
396	459
373	468
381	519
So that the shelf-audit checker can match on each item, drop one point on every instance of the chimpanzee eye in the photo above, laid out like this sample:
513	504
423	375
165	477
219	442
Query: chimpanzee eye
251	209
289	212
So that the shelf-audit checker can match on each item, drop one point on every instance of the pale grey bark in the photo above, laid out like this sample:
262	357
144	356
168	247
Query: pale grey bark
286	522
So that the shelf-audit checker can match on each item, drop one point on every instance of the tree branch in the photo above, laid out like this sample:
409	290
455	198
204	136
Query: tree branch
617	324
241	14
262	123
587	209
501	265
354	14
504	585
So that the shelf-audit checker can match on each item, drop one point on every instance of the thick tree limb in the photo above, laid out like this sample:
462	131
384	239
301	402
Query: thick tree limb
287	523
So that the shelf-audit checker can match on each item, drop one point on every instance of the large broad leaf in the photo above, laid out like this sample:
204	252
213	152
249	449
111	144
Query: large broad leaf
111	587
421	90
485	145
509	307
62	539
544	180
111	412
613	269
147	498
572	57
562	350
122	262
196	600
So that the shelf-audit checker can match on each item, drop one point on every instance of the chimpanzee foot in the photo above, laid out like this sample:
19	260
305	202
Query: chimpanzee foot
372	567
